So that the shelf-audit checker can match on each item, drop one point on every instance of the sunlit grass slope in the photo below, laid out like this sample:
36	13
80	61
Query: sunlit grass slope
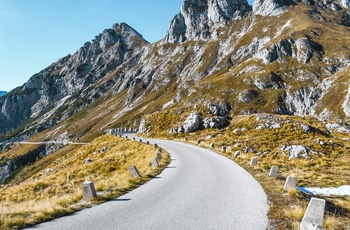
57	190
262	136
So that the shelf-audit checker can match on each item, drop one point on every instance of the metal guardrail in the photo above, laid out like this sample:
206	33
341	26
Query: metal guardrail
118	131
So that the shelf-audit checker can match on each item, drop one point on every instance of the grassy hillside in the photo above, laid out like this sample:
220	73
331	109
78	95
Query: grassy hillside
55	189
263	136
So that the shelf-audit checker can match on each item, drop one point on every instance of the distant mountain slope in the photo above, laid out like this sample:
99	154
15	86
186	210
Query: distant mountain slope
275	57
2	93
44	96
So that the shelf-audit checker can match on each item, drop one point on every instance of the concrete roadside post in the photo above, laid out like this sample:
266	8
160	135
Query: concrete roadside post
291	183
89	190
134	172
155	163
313	217
224	148
254	161
159	156
274	171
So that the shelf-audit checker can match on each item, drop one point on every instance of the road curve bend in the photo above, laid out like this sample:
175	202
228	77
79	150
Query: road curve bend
198	190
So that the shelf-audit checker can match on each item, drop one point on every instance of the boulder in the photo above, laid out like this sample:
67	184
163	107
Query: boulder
47	171
306	128
217	110
247	96
180	129
214	122
192	122
142	126
88	161
296	151
345	3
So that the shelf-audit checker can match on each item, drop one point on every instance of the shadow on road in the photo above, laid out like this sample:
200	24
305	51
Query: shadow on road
121	200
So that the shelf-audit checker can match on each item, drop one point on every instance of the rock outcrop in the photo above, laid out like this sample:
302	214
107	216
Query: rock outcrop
6	171
196	18
296	151
271	7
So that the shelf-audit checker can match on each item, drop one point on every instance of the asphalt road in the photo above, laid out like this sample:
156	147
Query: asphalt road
198	190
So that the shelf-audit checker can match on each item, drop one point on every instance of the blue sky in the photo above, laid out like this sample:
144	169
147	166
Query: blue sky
36	33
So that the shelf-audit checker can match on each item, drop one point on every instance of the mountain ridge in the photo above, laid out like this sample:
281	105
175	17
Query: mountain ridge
2	93
236	43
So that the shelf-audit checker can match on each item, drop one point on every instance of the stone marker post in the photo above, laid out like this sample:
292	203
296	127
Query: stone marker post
141	140
155	145
274	171
237	153
291	183
212	145
224	148
134	172
186	139
198	142
254	161
89	190
147	142
313	217
159	156
154	163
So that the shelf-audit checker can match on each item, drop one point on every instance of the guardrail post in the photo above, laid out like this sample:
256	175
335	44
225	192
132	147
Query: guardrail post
134	172
89	190
313	218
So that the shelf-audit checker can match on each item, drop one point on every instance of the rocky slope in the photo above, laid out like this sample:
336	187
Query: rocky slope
282	57
58	86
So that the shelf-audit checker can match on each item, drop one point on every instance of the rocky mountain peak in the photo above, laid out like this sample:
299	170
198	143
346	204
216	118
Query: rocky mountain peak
69	76
271	7
277	7
197	16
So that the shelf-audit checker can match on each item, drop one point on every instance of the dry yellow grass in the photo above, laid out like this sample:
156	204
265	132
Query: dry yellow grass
58	192
328	168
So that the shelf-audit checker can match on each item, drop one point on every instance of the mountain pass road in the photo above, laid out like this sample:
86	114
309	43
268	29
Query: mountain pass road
198	190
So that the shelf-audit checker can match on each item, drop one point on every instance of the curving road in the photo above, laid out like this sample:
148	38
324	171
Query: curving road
198	190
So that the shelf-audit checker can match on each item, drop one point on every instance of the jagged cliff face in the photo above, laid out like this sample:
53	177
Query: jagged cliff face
197	17
284	57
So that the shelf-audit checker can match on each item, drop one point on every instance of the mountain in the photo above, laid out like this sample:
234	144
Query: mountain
2	93
282	57
271	79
